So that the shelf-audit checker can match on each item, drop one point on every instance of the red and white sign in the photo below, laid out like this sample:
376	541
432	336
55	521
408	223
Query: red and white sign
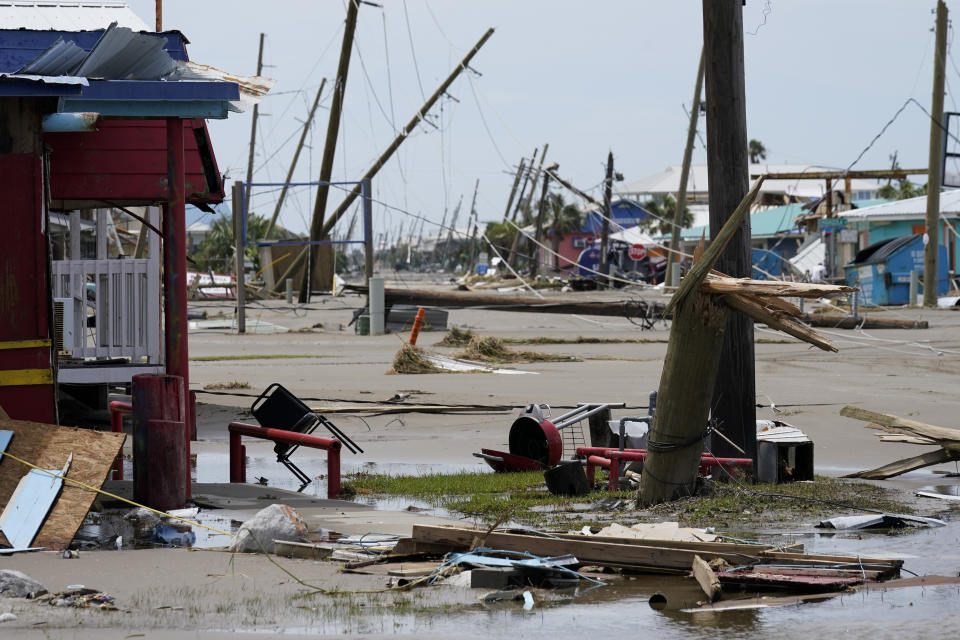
637	252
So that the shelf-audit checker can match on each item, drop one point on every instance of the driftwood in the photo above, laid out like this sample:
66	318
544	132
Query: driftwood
909	431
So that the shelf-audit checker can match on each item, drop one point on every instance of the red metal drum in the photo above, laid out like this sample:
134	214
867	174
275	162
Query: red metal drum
538	441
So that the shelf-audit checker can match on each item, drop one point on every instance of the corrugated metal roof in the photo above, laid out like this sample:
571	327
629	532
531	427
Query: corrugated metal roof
63	15
668	181
119	54
908	209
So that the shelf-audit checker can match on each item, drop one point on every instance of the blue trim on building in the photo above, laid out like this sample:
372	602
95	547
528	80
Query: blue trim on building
20	46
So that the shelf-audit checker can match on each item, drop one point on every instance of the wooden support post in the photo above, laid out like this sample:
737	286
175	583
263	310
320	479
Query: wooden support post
932	235
734	397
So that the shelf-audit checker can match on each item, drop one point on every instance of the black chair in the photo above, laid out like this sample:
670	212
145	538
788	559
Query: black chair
277	408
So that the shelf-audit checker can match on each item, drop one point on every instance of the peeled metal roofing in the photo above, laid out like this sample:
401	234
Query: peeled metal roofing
119	54
63	15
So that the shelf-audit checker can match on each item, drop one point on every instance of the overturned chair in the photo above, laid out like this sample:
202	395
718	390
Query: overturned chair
277	408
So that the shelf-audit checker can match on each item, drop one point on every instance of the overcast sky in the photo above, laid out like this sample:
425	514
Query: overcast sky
823	78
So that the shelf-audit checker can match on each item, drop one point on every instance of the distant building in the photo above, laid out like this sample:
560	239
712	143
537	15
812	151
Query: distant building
773	193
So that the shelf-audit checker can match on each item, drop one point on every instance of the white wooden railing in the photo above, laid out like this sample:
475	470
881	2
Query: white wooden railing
124	299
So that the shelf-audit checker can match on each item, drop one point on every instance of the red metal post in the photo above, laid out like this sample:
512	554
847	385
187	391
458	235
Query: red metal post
333	472
237	460
238	456
157	398
175	274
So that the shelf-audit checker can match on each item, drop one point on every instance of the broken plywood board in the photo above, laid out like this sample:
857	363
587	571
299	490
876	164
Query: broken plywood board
48	446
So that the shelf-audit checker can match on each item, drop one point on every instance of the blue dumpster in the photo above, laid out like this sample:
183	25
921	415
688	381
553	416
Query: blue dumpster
882	270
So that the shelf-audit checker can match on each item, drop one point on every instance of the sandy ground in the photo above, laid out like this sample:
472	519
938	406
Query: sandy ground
173	593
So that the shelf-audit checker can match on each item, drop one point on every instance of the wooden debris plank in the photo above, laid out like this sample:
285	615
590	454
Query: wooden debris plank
588	551
725	547
742	604
306	550
48	447
706	578
715	284
897	424
907	439
899	467
887	566
764	577
774	321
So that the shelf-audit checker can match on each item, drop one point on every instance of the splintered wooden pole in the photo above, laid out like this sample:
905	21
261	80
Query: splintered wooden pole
689	372
683	401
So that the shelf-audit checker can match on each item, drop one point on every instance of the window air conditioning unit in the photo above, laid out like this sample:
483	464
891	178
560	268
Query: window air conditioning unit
63	326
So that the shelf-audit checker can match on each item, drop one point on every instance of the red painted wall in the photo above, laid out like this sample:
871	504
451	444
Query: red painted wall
126	160
24	289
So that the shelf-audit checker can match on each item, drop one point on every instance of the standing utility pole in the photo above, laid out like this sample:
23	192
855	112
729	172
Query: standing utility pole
523	185
293	163
734	395
238	243
253	123
330	142
535	263
605	227
684	176
932	237
159	12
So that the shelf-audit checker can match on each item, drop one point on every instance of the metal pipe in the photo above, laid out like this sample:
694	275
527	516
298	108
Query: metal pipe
591	408
238	459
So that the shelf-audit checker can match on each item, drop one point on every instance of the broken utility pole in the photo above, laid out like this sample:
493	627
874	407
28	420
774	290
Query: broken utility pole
253	123
674	253
513	190
538	237
931	238
293	163
734	397
690	369
473	235
330	144
390	150
512	257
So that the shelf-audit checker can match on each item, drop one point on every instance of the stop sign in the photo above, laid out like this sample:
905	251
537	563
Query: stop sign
637	252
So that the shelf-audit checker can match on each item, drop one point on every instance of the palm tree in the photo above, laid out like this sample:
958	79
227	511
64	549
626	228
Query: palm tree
757	151
216	252
663	208
566	218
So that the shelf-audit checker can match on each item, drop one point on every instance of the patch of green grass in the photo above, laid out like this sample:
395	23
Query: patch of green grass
271	356
720	504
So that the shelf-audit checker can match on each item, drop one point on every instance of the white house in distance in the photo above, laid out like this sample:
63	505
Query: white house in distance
773	193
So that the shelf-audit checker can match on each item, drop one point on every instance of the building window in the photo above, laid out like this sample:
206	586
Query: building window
578	243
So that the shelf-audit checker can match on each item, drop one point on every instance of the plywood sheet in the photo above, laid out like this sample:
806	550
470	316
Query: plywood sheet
48	446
